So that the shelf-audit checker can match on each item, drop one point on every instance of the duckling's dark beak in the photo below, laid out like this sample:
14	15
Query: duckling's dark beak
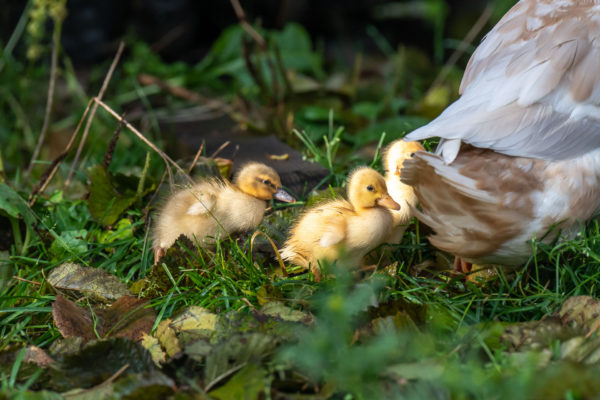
284	196
387	201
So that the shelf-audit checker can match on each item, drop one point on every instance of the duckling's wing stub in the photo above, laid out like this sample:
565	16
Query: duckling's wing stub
331	237
204	204
532	87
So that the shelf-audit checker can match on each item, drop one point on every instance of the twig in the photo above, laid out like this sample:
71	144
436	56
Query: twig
53	168
221	147
282	70
193	164
49	100
241	15
26	280
184	93
112	145
257	77
469	37
142	181
223	376
86	130
277	254
245	300
167	39
161	153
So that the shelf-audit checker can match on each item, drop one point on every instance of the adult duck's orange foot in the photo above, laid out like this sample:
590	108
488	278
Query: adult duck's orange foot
462	266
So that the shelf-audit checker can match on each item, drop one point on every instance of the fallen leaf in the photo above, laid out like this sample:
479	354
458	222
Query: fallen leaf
237	350
147	386
279	157
195	318
193	324
277	309
580	311
168	338
98	361
127	317
37	356
95	282
72	320
198	350
248	383
151	344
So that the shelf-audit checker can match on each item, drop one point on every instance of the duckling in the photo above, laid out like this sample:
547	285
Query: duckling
393	160
343	230
519	154
214	208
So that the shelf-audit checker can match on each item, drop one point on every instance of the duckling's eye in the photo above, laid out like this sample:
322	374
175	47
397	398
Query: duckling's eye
370	188
267	182
412	154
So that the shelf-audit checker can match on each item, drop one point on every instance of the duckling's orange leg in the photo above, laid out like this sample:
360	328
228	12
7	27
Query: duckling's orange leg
316	272
159	252
461	265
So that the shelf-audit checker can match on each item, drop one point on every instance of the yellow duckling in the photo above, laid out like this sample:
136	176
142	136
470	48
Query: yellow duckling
393	160
214	208
343	230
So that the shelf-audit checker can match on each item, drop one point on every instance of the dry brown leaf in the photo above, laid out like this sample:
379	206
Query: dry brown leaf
127	318
72	320
37	356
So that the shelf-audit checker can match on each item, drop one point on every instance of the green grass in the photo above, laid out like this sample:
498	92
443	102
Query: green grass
430	334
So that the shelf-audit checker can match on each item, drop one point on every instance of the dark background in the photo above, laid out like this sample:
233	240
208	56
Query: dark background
185	29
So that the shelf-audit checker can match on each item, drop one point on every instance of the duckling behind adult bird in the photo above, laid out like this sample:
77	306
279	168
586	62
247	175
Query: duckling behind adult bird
393	160
215	208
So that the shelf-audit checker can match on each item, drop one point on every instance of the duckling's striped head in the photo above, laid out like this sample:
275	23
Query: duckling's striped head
261	181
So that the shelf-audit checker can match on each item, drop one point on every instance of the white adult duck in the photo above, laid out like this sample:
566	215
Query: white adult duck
520	149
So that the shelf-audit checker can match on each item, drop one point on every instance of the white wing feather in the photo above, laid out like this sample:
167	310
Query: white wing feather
532	87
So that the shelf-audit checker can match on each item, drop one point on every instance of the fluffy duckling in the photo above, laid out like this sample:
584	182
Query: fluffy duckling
343	230
393	160
519	154
214	208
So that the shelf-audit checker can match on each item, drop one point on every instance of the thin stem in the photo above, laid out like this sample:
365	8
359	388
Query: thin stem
50	97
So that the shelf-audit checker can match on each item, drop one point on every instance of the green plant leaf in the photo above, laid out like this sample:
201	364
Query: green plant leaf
13	205
247	384
111	195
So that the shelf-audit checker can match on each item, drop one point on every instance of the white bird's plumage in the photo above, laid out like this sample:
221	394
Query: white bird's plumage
519	155
531	87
